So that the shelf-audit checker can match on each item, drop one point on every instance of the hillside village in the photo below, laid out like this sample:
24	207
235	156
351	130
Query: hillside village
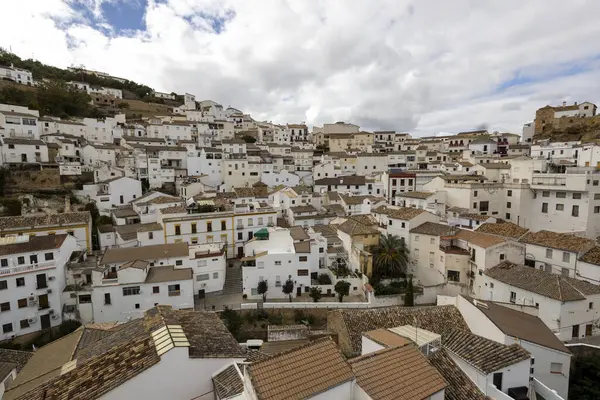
463	266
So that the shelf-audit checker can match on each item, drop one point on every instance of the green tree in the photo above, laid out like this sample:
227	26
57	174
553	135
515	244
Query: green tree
233	321
584	378
12	207
57	98
315	294
342	288
409	296
390	258
248	139
262	289
288	288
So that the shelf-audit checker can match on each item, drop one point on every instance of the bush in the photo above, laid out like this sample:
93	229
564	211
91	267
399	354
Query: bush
383	290
324	279
275	319
398	284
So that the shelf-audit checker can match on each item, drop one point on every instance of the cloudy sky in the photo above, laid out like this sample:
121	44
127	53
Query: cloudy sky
423	66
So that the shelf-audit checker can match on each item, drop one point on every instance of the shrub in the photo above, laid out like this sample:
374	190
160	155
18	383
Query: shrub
324	279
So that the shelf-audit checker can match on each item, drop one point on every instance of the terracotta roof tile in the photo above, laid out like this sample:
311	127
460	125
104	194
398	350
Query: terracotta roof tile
350	324
65	219
506	229
592	256
415	195
301	372
554	286
228	382
480	239
397	373
404	213
33	244
434	229
353	227
556	240
484	354
460	386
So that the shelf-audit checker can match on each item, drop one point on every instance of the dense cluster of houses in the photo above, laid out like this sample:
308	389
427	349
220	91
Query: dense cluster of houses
500	232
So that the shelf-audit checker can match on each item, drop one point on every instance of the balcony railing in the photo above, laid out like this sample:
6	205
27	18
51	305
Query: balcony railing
26	268
174	293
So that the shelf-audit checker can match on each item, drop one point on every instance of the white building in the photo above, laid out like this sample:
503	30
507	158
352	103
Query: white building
273	255
510	324
19	75
134	357
77	224
113	192
96	89
569	307
18	122
24	151
32	276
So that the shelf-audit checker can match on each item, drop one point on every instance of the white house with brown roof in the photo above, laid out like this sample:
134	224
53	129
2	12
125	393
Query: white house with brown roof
18	122
133	358
23	151
568	306
32	278
399	221
113	192
277	254
509	324
555	252
77	224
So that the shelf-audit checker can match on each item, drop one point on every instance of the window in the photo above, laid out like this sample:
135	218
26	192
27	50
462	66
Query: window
202	277
566	257
454	276
209	239
49	256
509	193
3	285
545	194
560	207
195	229
549	253
303	258
24	324
416	238
224	225
484	205
174	290
20	282
596	209
150	235
85	298
497	379
501	257
596	196
137	306
556	368
277	262
155	289
302	272
107	300
595	183
403	225
432	240
21	260
545	208
576	196
22	303
575	211
4	262
179	262
508	204
131	290
5	306
561	195
7	328
507	216
240	236
591	305
475	193
215	275
513	297
564	272
177	230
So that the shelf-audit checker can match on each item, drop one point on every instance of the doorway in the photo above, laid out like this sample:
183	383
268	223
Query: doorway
498	380
298	291
41	282
575	331
43	302
45	320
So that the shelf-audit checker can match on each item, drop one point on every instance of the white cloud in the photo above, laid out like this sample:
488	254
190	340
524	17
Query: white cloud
424	66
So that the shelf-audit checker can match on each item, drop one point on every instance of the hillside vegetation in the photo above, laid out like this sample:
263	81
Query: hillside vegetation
56	98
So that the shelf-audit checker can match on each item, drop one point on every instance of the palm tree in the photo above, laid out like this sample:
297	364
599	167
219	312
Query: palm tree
390	258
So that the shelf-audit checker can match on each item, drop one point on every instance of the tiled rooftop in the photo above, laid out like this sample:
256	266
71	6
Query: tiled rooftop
561	241
554	286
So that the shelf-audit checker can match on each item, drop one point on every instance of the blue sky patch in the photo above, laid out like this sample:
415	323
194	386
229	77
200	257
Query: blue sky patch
125	16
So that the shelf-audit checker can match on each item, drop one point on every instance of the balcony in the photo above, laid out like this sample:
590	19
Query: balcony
21	269
239	227
110	276
173	293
